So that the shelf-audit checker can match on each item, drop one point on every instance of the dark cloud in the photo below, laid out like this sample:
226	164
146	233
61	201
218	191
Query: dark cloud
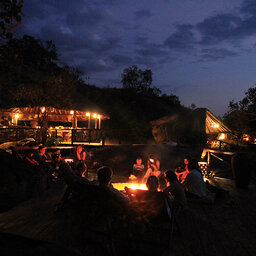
182	39
35	9
153	50
249	7
218	28
89	30
89	18
140	40
96	65
215	54
141	14
121	59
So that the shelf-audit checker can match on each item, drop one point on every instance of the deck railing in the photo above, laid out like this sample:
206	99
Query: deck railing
60	136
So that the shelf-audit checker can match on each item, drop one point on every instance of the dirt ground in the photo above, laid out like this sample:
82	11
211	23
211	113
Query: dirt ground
227	227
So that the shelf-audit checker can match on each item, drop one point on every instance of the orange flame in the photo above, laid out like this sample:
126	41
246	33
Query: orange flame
121	186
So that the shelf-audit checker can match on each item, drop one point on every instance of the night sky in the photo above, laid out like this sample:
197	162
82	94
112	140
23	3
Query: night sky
200	50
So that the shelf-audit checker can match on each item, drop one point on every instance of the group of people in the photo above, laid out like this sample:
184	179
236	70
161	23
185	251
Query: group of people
185	182
153	168
52	160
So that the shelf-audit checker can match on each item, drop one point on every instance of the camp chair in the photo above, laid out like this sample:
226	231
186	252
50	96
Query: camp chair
156	207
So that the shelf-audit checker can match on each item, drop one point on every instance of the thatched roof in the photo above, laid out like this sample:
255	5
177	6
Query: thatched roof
53	114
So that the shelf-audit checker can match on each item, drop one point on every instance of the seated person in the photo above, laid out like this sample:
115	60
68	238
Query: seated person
81	170
175	189
55	164
80	156
138	168
40	156
152	183
153	168
104	178
194	182
182	172
30	158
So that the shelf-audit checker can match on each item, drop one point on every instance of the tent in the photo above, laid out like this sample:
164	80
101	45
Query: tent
193	127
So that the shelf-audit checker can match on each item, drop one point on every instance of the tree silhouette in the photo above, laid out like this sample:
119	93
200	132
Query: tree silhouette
10	17
31	76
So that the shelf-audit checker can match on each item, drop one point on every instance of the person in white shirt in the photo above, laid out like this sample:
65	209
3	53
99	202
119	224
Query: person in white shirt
153	168
194	182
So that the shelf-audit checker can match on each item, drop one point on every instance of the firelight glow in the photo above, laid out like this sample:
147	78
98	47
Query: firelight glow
121	186
222	136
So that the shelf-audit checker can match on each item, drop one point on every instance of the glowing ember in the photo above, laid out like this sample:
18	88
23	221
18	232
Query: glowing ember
121	186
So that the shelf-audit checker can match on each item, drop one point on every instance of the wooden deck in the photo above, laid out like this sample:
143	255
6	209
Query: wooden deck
228	227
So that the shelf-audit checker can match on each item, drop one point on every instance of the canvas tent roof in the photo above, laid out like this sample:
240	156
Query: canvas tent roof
192	125
214	125
210	121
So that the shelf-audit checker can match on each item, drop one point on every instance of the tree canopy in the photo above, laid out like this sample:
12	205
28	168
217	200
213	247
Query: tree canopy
139	80
30	75
241	115
10	16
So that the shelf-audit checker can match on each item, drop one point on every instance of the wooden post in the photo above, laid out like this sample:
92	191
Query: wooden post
208	158
99	121
72	136
75	120
89	135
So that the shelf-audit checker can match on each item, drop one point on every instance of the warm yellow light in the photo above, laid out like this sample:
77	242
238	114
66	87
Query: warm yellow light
138	186
72	112
94	116
222	136
246	137
216	125
121	186
43	109
88	114
16	116
98	116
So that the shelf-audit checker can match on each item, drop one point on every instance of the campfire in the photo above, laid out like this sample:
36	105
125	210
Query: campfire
121	186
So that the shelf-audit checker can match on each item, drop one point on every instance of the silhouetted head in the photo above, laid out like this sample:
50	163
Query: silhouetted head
152	183
79	149
104	175
41	150
187	159
170	176
56	156
192	165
